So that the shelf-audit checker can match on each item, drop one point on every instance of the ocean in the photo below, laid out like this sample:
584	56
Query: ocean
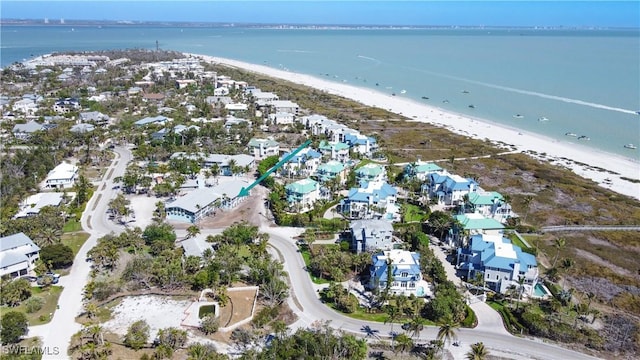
550	82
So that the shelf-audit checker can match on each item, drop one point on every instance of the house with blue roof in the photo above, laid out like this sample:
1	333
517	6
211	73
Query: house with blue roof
489	204
305	163
334	150
450	189
302	194
372	200
331	170
361	144
371	172
500	263
402	269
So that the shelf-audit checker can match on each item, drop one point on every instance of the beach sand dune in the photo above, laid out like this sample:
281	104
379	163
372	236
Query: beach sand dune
606	169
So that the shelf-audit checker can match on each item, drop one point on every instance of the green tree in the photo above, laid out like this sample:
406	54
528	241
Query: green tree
477	352
57	256
34	304
14	292
137	335
209	324
403	343
14	327
559	244
447	332
171	337
192	231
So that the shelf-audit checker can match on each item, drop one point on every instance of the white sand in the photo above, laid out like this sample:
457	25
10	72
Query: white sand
476	128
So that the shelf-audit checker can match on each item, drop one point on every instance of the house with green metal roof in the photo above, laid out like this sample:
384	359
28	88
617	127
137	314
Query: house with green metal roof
302	194
371	172
421	170
334	150
330	170
467	225
490	204
262	148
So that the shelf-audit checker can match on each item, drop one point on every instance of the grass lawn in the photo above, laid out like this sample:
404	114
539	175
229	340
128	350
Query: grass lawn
72	225
50	297
306	256
75	240
413	213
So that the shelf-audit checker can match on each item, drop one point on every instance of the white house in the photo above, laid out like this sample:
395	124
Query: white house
62	176
25	106
284	106
402	268
262	148
302	194
18	254
334	150
282	118
32	205
304	163
24	131
371	172
66	105
371	235
373	200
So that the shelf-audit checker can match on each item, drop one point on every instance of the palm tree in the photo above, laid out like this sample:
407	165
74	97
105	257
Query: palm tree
416	325
192	231
477	352
559	244
48	236
447	332
392	315
521	280
403	343
526	201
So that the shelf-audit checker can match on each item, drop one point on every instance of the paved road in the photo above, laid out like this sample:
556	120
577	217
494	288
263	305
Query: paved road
57	334
309	308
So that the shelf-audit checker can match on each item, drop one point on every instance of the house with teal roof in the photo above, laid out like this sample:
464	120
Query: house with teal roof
490	204
262	148
330	170
421	170
371	172
302	194
467	225
498	262
334	150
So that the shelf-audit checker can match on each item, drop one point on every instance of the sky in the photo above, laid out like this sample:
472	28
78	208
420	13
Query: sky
360	12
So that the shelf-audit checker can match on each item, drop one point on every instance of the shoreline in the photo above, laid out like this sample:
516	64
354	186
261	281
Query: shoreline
605	169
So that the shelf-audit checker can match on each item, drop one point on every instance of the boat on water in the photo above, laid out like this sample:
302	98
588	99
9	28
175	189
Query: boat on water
472	106
518	116
465	92
445	101
542	118
630	146
571	134
403	91
425	98
393	94
584	137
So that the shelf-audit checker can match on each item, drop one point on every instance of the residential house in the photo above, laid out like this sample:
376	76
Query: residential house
25	106
18	254
450	189
467	225
371	235
62	176
260	96
361	144
24	131
490	204
334	150
63	106
330	170
32	205
421	170
398	272
201	202
499	263
240	162
153	97
82	128
373	200
284	106
304	163
158	120
235	107
221	91
371	172
262	148
195	246
183	83
134	90
302	194
95	117
282	118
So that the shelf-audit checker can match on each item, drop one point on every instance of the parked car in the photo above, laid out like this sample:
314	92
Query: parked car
29	278
54	278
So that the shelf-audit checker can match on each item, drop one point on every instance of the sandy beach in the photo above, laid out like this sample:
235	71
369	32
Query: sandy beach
557	152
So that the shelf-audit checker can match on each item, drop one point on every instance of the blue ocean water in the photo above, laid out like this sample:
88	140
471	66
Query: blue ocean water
585	82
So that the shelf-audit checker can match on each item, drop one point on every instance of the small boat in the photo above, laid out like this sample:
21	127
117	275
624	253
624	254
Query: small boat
571	134
445	101
472	106
393	94
584	137
543	119
425	98
403	91
630	146
638	112
518	116
465	92
377	84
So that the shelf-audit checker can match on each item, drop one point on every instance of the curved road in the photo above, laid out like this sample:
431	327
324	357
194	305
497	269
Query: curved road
310	309
56	335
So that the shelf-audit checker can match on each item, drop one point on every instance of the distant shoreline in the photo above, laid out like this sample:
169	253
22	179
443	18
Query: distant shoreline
606	169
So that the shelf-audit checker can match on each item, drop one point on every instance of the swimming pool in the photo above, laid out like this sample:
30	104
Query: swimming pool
420	291
540	291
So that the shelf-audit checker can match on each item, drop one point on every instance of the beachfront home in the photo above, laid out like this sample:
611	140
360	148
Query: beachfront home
371	172
305	163
421	170
403	269
302	194
372	200
32	205
371	235
331	170
62	176
18	254
489	204
466	225
361	144
334	150
450	189
284	106
499	263
262	148
25	131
